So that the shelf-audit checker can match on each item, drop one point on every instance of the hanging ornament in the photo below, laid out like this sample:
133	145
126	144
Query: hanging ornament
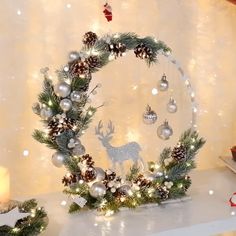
163	83
179	152
89	39
172	106
97	190
143	51
150	116
100	174
78	68
232	200
93	62
164	131
107	12
162	192
74	55
75	96
59	124
78	150
65	104
58	159
117	49
62	89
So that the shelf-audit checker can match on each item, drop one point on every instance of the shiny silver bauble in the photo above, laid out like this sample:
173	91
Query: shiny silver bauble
126	190
73	55
164	131
58	159
163	83
75	96
100	174
97	190
62	89
149	116
172	106
65	104
46	113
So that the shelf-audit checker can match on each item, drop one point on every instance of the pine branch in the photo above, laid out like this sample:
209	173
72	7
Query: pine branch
42	137
134	172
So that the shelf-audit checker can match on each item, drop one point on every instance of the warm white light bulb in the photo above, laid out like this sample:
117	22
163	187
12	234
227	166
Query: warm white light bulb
211	192
18	12
232	213
154	91
68	5
63	203
26	153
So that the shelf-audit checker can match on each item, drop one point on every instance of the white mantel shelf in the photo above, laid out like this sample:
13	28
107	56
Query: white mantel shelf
203	215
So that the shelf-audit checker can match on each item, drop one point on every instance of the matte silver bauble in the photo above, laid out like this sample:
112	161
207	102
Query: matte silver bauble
149	116
97	190
125	189
164	131
75	96
62	89
163	83
58	159
172	106
46	113
78	150
73	55
100	174
66	104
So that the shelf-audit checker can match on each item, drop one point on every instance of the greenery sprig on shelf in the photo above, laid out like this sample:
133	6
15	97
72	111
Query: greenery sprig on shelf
66	114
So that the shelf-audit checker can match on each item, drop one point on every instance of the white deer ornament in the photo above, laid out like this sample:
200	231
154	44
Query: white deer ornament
118	155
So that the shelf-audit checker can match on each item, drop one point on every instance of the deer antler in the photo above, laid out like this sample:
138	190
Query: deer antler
111	129
98	129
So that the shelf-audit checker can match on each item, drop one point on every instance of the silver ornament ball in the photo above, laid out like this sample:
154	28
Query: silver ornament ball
163	83
172	106
62	89
78	150
164	131
73	55
66	104
97	190
58	159
46	113
100	174
125	189
75	96
149	116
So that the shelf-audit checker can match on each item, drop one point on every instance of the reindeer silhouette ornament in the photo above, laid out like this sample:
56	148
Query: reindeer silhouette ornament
118	155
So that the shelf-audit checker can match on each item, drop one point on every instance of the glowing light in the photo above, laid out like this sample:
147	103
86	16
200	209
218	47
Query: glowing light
95	224
18	12
211	192
135	87
194	109
16	229
232	213
154	91
192	94
81	181
66	68
26	153
109	213
63	203
180	185
68	5
90	113
49	103
138	195
192	147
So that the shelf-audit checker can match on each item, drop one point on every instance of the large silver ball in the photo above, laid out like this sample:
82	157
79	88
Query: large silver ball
75	96
62	89
97	190
66	104
172	106
100	174
46	113
125	189
163	83
164	131
58	159
78	150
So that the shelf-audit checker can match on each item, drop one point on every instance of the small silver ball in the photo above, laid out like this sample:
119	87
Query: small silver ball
62	89
100	174
73	55
164	131
58	159
66	104
125	189
163	83
75	96
172	106
46	113
97	190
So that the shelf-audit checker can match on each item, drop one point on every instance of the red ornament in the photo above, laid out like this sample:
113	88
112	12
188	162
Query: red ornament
107	12
232	200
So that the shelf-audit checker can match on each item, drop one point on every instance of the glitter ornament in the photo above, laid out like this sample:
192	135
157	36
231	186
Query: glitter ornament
150	116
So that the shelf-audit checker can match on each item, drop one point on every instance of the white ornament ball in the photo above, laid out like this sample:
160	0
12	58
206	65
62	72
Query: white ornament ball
75	96
172	106
46	113
62	89
58	159
66	104
100	174
164	131
97	190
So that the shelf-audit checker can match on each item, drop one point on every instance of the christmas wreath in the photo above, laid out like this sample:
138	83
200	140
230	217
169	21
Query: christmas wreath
66	115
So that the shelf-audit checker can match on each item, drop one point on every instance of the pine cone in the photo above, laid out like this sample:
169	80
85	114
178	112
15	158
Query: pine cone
179	152
78	68
143	51
69	179
117	49
110	175
57	125
93	61
88	160
142	182
89	175
162	193
90	39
